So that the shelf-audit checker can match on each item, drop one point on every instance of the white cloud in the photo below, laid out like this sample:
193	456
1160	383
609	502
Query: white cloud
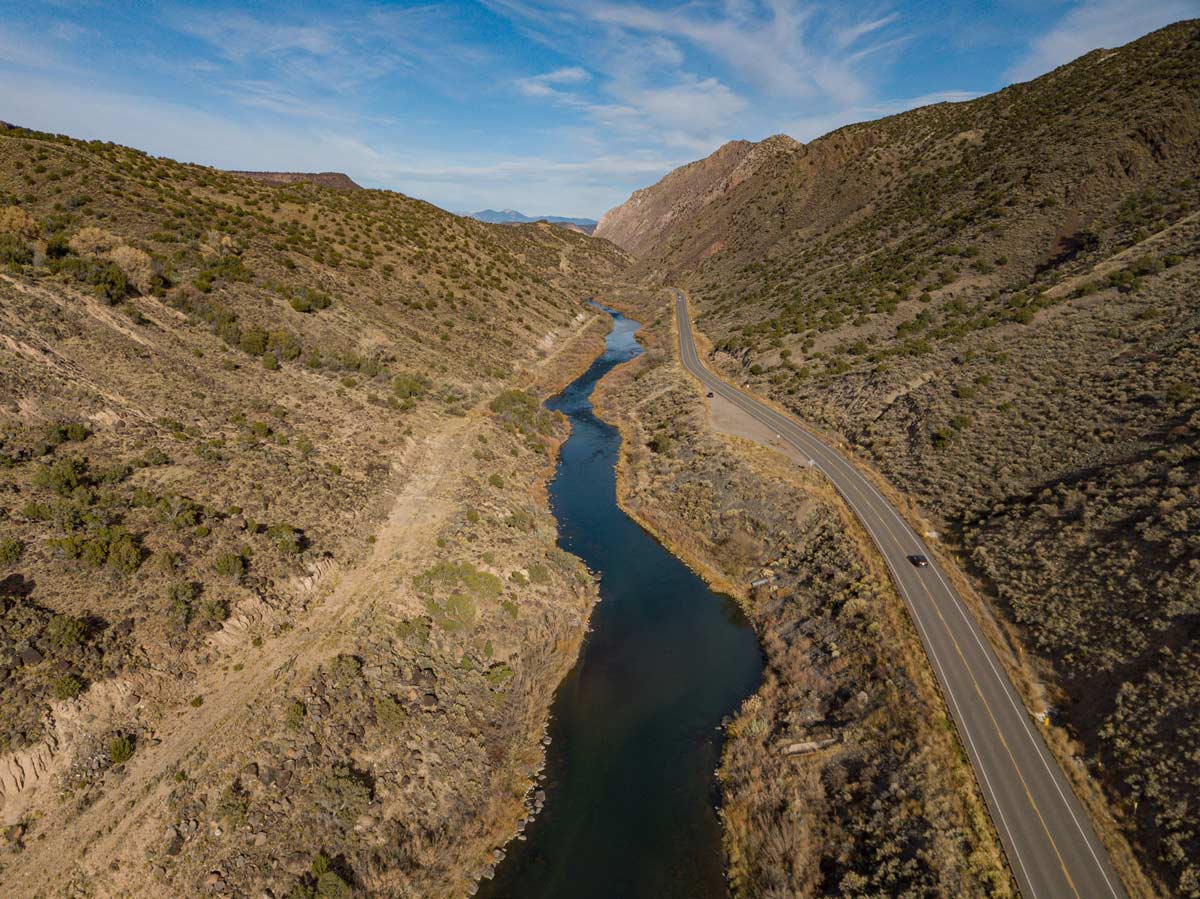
689	107
337	52
543	85
1092	24
635	88
572	75
691	75
542	184
784	48
851	33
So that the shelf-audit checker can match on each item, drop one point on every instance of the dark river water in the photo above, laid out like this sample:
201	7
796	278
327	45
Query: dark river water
630	784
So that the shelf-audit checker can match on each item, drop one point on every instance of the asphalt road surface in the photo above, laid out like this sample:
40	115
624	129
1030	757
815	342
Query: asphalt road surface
1048	837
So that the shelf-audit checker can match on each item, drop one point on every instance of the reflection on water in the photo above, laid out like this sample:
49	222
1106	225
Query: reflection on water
630	786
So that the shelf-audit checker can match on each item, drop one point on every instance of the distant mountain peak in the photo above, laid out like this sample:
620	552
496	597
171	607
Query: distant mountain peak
512	216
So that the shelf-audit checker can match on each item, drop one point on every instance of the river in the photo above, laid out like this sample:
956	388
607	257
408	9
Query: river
630	788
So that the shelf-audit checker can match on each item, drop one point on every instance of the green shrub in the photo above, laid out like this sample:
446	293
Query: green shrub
14	251
293	718
328	883
113	546
288	540
496	480
64	631
58	247
212	613
308	300
66	687
414	628
10	550
152	457
233	806
62	476
344	794
254	341
62	433
344	670
123	554
389	713
331	886
539	573
457	614
112	285
230	565
498	675
120	750
409	386
180	595
37	511
523	411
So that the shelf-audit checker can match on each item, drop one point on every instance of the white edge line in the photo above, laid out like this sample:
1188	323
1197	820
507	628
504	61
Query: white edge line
1006	685
928	643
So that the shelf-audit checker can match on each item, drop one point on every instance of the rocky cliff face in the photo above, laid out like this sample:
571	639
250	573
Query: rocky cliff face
641	224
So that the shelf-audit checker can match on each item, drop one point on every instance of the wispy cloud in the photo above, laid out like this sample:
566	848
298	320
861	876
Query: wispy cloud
1091	24
544	85
467	181
339	51
691	75
550	105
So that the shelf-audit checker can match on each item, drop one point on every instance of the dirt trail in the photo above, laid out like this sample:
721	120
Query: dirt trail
124	822
103	849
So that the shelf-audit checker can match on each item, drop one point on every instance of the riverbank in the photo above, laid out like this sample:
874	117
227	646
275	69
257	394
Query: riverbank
628	789
388	732
841	774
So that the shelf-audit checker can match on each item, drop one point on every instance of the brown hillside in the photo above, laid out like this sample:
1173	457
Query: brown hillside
995	303
278	582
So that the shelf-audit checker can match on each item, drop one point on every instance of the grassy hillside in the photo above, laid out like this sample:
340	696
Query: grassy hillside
995	303
239	423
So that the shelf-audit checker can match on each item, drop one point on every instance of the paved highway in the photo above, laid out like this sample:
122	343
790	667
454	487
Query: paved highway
1051	846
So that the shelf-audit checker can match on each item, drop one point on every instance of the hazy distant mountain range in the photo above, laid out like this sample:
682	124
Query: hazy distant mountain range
510	216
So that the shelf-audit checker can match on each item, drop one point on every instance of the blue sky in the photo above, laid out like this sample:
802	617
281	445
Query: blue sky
547	106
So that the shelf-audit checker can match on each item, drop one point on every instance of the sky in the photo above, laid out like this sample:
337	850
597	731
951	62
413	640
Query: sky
551	107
